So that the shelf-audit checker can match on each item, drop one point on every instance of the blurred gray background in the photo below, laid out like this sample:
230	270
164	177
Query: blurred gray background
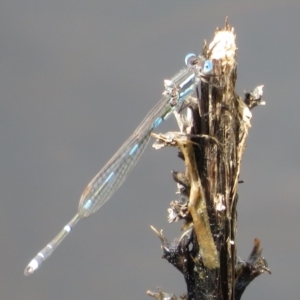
76	78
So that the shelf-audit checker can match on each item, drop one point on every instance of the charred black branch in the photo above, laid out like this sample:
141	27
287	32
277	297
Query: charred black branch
211	141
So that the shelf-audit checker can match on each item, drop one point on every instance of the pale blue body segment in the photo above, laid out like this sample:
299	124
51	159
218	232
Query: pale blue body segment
114	173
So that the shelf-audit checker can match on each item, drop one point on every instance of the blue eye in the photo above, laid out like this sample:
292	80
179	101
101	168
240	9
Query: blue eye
207	67
189	59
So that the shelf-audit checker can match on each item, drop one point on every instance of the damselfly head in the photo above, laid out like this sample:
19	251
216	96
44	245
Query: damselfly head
199	63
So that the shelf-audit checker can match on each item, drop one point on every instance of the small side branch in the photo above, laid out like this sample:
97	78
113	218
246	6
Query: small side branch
247	270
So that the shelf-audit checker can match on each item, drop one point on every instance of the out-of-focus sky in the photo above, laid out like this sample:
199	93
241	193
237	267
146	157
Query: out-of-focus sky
76	78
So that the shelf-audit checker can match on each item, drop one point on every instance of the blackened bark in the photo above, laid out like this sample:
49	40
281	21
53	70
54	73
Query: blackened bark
211	142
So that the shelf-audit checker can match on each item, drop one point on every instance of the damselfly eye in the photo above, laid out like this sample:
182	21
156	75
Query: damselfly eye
190	59
207	67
